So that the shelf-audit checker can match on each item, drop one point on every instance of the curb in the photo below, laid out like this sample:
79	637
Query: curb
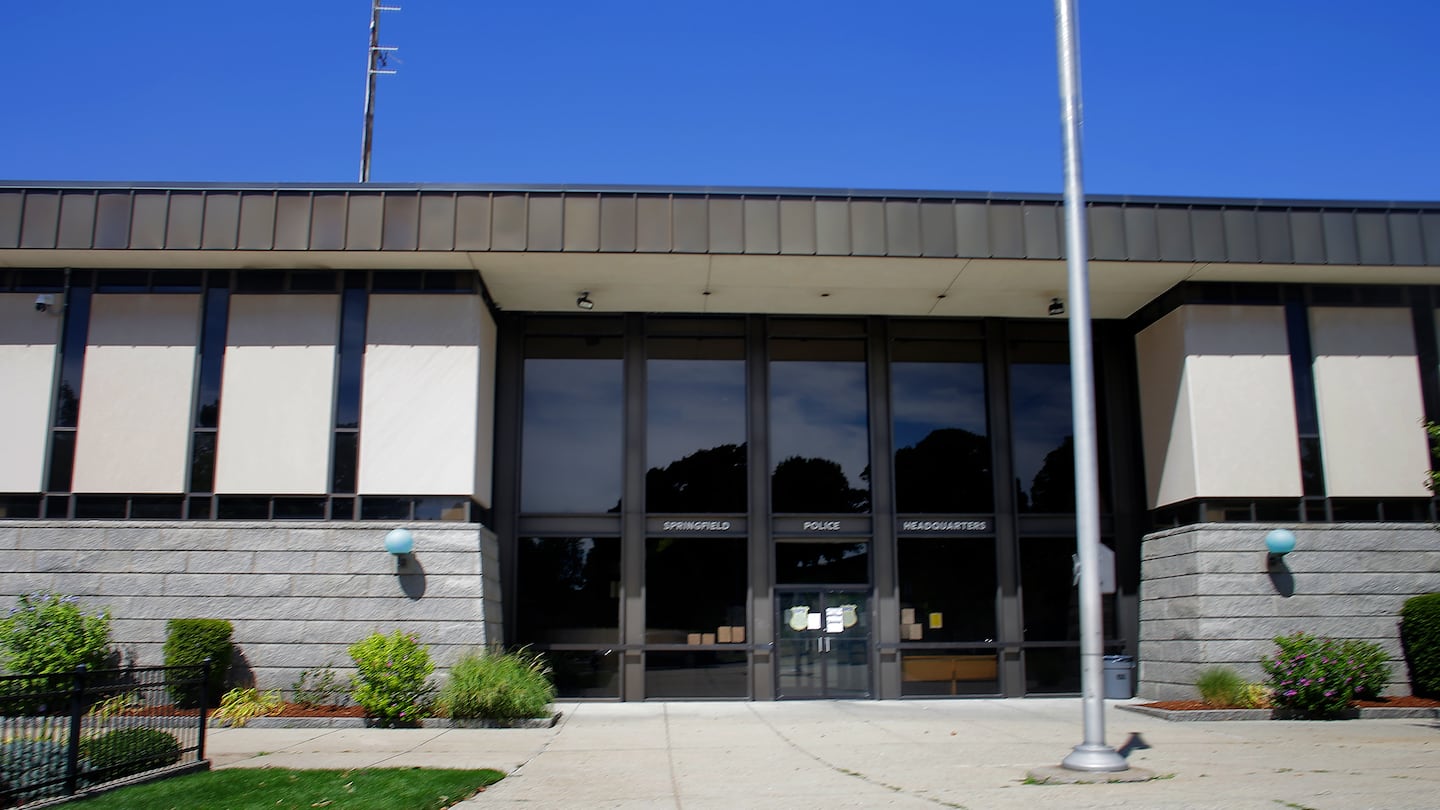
1376	713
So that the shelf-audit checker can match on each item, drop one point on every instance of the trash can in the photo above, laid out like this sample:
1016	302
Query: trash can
1119	677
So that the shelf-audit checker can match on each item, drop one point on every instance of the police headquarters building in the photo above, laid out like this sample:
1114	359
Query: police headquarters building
755	444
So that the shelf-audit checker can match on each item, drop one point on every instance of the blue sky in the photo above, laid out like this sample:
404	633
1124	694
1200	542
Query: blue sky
1265	99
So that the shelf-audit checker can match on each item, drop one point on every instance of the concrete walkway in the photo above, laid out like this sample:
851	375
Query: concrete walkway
907	754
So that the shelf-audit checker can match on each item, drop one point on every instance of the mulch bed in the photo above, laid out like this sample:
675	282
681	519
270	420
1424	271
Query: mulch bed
289	710
1396	702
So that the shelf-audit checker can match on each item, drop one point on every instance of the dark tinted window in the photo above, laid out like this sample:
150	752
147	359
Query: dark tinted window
695	426
822	563
950	587
819	427
568	590
1044	448
942	455
693	586
573	428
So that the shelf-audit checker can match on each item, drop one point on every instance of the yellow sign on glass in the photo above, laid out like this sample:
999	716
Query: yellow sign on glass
937	621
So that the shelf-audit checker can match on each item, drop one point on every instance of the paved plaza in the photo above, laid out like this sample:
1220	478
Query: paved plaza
909	754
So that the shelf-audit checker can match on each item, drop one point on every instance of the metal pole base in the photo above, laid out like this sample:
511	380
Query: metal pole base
1094	758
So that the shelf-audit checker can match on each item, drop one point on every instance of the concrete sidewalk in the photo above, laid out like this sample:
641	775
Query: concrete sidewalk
970	753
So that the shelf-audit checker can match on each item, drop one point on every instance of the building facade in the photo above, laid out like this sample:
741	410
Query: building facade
714	444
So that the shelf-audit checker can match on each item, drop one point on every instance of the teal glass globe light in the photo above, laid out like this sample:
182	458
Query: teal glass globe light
1280	541
399	541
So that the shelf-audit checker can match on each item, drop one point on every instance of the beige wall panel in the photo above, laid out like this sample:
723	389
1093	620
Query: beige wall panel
134	429
420	398
1165	411
1367	391
485	412
1216	406
29	341
1242	402
277	395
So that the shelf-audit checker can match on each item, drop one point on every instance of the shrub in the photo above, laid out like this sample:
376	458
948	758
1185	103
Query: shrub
498	686
319	687
1221	687
30	769
239	706
48	632
118	754
1318	677
390	679
188	642
1420	638
1256	696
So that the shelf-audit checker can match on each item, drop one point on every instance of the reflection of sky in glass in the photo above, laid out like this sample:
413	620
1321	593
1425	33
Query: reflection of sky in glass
930	396
572	436
1040	404
692	405
818	410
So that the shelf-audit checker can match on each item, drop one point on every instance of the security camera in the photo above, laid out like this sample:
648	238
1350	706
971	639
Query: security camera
44	302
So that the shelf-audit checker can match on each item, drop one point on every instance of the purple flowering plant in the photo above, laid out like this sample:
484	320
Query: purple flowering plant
1319	677
392	677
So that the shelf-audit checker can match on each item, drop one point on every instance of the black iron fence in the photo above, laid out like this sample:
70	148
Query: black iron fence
66	733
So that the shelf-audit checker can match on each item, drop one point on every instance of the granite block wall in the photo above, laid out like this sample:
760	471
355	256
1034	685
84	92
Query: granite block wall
298	593
1208	598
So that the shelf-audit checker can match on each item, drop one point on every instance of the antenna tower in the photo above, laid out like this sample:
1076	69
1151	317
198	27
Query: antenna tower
377	63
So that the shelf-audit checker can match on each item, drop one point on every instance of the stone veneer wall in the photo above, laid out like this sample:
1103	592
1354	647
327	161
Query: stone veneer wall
1207	598
298	593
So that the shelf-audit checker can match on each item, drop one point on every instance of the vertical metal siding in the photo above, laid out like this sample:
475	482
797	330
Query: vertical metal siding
1430	232
1340	243
77	220
867	228
257	221
147	225
937	229
1142	243
507	222
691	223
222	222
832	227
402	222
652	224
437	222
617	224
762	225
187	214
1241	240
1307	237
1273	236
1172	227
1207	233
1042	231
1107	233
472	222
902	228
40	220
972	229
292	221
327	222
727	226
365	222
112	220
1373	236
11	205
545	224
797	226
1007	231
1405	245
582	222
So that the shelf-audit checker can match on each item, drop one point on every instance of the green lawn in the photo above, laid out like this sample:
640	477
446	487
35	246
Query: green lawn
270	788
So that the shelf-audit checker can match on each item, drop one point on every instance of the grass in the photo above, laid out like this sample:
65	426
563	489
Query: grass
271	788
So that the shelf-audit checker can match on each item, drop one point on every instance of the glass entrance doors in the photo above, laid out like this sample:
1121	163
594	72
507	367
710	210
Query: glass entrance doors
823	642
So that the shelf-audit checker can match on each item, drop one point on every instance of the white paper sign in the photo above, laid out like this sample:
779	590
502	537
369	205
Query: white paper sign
812	621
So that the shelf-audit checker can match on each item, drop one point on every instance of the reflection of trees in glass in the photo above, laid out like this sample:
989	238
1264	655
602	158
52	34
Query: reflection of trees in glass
567	583
68	412
822	563
1053	488
947	471
816	485
711	480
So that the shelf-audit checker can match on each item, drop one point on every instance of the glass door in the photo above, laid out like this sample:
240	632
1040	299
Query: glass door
824	643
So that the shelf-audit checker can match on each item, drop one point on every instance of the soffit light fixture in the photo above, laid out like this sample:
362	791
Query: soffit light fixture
1057	307
584	301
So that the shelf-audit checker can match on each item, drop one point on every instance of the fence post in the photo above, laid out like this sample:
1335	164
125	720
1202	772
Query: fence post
77	715
204	708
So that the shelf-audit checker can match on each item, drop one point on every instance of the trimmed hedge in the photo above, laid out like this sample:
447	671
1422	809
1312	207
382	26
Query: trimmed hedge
188	642
117	754
1420	638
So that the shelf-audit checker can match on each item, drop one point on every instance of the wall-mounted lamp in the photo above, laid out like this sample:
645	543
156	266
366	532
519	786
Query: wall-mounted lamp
400	542
1278	543
1057	307
584	301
